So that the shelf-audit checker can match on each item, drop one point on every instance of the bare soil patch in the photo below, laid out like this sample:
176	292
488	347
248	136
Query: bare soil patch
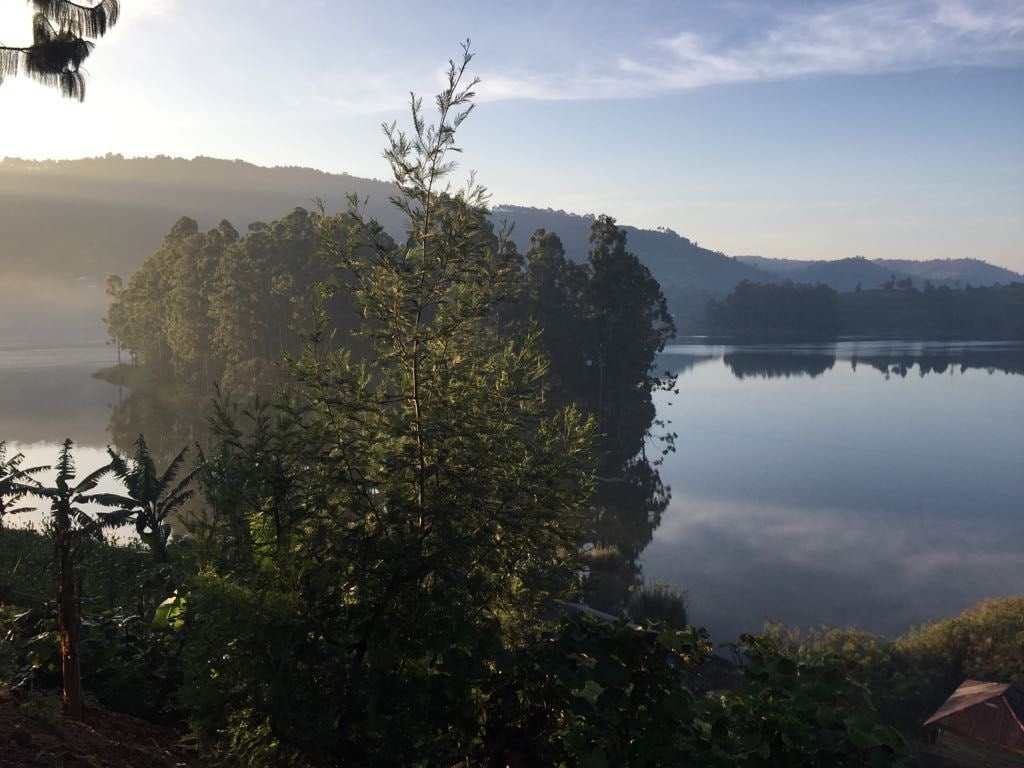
33	733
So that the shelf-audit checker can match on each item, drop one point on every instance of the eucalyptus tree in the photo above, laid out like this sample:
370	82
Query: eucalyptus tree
139	315
557	299
114	287
631	325
62	35
70	522
191	281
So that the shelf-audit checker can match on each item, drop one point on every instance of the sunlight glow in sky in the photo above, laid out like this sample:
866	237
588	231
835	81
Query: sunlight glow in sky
801	129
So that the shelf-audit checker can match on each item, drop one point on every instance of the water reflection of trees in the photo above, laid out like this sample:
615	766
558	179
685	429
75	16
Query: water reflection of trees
626	508
991	361
625	511
169	421
773	364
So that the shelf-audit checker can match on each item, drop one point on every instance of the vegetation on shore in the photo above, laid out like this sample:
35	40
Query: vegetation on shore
791	311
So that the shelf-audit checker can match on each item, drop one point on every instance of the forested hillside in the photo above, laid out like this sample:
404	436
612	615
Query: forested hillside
114	212
117	210
849	274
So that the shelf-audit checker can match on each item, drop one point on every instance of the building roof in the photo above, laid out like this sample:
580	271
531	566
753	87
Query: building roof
989	711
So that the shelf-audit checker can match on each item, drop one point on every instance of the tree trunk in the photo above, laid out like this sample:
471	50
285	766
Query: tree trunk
68	626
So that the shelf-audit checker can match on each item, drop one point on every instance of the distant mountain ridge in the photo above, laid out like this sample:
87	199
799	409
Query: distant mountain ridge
847	274
79	220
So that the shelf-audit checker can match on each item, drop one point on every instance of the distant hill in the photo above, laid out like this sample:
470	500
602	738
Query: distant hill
674	260
113	212
75	221
65	225
953	271
847	274
105	215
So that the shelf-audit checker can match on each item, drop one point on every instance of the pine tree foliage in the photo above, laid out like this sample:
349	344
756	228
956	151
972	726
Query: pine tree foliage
411	497
62	34
454	449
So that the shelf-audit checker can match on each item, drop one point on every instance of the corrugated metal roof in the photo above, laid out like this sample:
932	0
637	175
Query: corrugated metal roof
969	693
992	712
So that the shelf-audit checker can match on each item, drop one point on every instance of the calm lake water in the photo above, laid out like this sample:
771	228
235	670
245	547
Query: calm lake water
49	394
876	484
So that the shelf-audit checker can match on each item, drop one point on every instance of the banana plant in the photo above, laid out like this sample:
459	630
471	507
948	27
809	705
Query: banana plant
150	497
15	482
71	523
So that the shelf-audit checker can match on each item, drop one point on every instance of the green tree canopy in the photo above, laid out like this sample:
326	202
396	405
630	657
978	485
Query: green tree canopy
404	506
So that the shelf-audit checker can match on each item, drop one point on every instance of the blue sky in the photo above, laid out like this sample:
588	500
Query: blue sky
804	129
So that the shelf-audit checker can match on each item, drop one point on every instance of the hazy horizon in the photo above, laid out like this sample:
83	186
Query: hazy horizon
497	204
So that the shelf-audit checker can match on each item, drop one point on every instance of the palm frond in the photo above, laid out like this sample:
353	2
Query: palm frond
116	518
11	60
26	474
80	19
172	469
172	502
110	500
87	525
118	466
44	492
181	486
19	510
91	480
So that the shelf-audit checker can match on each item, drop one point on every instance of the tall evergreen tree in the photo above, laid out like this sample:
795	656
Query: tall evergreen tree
631	326
409	504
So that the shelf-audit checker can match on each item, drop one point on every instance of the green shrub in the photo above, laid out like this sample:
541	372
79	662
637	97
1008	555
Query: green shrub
128	664
913	674
112	575
660	602
803	710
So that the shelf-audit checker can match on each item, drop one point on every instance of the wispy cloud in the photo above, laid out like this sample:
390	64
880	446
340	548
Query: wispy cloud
865	37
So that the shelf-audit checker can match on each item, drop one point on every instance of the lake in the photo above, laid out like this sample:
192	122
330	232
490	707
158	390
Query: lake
48	394
879	484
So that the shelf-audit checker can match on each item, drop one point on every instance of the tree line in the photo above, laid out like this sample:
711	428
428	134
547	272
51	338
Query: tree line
894	309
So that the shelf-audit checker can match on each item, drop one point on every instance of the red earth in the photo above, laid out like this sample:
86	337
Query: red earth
33	733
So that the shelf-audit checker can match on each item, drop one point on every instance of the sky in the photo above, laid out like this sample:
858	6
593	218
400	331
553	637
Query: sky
796	129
